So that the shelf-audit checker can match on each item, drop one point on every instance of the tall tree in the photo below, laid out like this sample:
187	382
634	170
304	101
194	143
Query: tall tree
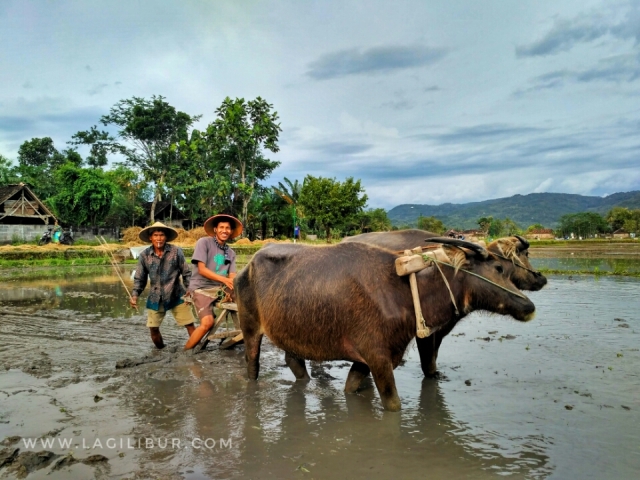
485	223
240	133
372	220
131	192
38	159
84	195
100	143
509	227
431	224
330	203
151	127
200	182
7	172
38	152
583	224
290	192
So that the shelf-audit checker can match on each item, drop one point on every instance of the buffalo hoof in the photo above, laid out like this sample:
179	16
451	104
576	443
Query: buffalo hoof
392	404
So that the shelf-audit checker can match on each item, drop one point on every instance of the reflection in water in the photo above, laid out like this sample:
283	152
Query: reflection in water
617	265
101	295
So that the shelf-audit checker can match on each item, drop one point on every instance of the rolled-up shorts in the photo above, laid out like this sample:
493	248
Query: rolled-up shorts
205	299
182	314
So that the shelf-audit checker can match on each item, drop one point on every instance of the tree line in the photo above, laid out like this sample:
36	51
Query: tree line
145	151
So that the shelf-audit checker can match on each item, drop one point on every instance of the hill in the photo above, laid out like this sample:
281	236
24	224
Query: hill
525	210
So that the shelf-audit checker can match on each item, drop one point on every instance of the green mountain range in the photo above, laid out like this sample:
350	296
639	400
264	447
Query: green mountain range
543	208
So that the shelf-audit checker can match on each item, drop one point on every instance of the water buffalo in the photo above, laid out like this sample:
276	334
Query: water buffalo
346	302
513	252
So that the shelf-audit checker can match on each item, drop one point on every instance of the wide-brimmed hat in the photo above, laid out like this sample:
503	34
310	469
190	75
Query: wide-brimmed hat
146	232
212	222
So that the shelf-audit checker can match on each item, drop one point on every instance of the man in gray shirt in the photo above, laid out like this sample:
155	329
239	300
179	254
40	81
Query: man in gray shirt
214	268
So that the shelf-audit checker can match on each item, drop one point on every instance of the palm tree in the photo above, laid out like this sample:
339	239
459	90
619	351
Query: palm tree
290	193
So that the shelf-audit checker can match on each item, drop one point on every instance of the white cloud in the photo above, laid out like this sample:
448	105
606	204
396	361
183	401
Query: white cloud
422	108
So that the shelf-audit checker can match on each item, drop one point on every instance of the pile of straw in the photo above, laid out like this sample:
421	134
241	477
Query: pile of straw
130	236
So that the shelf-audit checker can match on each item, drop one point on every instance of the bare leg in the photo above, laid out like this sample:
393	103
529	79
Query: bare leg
297	366
156	337
205	325
358	372
190	328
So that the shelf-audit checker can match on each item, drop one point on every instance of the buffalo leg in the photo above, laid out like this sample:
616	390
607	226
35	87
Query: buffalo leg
252	354
428	354
357	373
297	366
382	372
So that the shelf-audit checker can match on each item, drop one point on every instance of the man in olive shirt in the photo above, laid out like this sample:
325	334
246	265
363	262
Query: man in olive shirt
162	264
214	268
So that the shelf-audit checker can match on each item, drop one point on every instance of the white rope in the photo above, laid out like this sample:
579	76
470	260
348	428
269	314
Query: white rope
475	275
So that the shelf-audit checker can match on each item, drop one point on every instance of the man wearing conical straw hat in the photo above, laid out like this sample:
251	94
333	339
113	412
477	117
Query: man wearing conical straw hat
163	264
214	268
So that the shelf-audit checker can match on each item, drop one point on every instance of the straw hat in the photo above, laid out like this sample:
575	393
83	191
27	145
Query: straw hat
212	222
146	232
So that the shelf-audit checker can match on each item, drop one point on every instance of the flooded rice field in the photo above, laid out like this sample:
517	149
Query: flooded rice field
558	397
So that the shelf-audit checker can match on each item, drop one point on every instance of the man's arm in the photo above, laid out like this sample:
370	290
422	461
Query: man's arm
139	281
205	272
185	269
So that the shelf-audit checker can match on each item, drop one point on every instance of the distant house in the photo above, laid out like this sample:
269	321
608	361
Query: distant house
20	206
473	235
23	216
621	233
540	234
167	214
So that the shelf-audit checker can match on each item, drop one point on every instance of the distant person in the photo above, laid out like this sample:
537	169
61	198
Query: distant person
214	268
296	233
163	264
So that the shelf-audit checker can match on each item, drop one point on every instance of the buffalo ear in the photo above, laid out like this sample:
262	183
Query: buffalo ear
457	256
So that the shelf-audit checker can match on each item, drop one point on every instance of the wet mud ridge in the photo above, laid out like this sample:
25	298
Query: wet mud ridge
22	464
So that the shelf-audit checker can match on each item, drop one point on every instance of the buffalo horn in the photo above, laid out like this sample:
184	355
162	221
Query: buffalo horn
478	249
523	241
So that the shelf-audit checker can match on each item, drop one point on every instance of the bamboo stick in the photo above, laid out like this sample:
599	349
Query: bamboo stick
112	260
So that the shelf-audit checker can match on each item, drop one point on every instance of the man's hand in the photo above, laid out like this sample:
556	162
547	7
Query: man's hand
228	282
133	301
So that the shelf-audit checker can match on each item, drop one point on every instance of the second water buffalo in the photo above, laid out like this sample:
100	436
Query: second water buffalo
513	252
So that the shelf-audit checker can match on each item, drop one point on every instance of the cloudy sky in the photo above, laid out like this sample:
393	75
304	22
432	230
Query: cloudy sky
424	101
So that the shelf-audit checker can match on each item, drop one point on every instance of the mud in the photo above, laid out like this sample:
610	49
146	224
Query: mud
554	398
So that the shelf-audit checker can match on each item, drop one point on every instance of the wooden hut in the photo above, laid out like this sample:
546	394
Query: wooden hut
621	233
540	234
23	216
20	206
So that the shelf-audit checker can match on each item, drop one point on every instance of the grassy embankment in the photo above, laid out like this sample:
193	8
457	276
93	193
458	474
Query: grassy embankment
29	260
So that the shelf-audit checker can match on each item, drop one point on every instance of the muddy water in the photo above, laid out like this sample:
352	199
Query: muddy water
558	397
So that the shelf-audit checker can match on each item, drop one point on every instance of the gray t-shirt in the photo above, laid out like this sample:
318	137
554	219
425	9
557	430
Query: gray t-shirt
208	252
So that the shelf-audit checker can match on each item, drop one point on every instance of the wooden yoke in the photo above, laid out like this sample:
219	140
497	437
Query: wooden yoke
409	264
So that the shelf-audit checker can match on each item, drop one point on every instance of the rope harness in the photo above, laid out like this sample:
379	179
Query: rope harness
475	275
422	330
